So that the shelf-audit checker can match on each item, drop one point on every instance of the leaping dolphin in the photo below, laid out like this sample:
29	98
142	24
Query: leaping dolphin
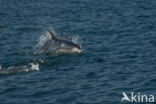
56	46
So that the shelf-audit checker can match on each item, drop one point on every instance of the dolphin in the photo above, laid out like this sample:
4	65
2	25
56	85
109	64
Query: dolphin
56	46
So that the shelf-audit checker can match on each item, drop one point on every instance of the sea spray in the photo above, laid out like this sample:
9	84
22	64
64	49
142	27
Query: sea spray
34	66
77	40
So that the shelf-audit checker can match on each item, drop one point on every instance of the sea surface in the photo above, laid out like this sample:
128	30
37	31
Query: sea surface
119	51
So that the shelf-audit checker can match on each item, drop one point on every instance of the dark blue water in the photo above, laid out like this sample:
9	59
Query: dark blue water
119	42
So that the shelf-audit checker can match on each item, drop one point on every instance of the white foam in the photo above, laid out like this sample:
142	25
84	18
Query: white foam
34	66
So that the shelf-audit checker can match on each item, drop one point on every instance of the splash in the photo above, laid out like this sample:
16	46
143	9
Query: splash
19	69
34	66
77	40
42	40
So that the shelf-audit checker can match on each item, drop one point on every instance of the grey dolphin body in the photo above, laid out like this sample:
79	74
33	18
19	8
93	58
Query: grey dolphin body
57	46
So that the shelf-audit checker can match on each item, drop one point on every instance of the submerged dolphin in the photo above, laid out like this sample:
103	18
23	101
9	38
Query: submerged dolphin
56	46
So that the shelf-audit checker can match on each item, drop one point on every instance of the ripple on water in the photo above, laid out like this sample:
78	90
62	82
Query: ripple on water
99	60
3	26
24	29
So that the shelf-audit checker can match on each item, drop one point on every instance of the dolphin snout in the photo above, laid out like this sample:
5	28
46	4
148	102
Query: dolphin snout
77	50
80	51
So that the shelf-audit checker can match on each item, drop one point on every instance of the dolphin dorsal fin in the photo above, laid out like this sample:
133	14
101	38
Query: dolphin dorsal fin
50	34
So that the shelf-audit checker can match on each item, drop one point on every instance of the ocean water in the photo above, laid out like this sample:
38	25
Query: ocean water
118	39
